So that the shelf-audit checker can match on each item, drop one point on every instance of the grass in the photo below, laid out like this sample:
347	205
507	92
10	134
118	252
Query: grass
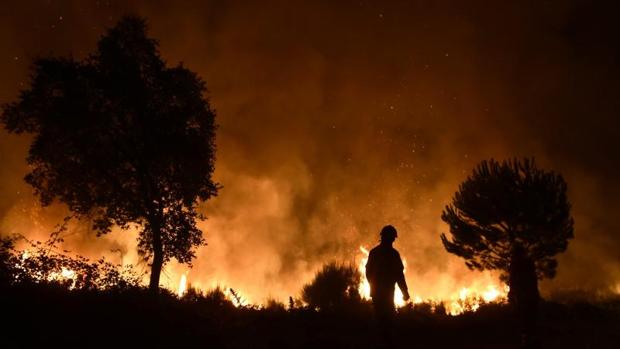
48	314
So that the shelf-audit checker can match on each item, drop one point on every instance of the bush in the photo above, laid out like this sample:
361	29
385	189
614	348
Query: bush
334	286
43	263
213	298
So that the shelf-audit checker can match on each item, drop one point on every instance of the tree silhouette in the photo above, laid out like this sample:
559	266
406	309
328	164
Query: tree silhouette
508	205
123	140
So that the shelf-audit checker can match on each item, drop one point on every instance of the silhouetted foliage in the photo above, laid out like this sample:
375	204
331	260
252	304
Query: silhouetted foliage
7	265
211	301
36	313
334	286
42	262
123	140
502	205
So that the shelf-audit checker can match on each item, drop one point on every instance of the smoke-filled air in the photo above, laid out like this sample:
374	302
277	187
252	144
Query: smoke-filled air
338	118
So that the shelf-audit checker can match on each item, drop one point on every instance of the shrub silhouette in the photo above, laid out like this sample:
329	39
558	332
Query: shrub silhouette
334	286
7	260
274	305
211	301
43	263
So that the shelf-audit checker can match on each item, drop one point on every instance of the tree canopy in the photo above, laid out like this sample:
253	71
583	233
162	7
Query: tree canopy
505	204
122	139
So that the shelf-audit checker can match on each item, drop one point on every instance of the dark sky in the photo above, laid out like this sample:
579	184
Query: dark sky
337	117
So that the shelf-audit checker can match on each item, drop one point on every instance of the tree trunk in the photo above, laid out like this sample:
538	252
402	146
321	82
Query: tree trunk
158	259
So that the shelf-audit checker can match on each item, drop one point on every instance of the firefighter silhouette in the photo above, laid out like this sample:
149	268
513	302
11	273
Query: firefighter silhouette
384	270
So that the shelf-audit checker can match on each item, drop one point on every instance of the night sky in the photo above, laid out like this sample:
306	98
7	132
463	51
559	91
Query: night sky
338	117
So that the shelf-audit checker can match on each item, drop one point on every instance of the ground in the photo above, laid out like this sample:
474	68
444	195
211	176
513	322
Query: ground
44	315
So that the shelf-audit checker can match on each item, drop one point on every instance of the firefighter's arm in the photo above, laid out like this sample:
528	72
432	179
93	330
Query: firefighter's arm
401	282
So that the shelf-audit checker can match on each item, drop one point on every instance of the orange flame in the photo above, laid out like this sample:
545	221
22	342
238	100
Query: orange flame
65	274
182	285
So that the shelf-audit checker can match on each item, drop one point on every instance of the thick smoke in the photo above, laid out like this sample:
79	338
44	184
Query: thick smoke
337	118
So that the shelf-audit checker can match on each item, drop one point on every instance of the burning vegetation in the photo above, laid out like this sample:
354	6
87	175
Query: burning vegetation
44	262
335	284
150	185
127	145
44	282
